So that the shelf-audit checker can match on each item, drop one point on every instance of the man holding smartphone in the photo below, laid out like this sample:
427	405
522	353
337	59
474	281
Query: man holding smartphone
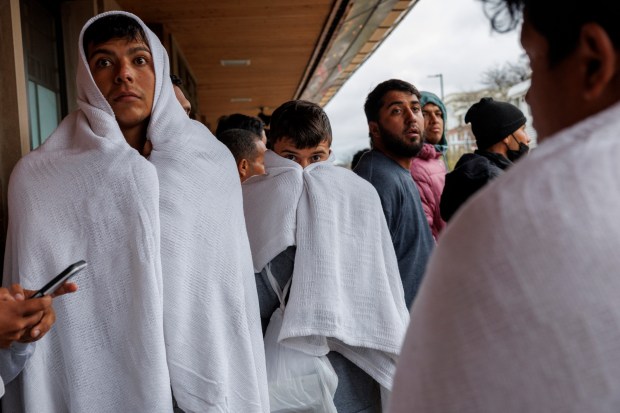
152	201
22	322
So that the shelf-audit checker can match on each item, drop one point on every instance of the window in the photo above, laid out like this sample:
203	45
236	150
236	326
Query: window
41	54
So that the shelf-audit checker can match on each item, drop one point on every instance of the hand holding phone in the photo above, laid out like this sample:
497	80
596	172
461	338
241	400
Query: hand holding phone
60	279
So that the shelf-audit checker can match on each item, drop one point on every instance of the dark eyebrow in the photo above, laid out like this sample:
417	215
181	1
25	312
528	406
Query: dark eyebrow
396	102
139	49
104	51
400	102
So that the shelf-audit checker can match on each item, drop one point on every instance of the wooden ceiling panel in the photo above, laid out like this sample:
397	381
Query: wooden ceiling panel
277	36
293	46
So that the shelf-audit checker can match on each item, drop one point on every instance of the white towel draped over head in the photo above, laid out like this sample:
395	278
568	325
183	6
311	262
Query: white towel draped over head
346	293
168	298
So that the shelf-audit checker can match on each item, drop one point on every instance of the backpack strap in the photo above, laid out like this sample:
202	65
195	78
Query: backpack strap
281	293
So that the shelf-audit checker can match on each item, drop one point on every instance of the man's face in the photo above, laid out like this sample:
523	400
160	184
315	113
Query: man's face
433	123
256	166
286	148
520	136
552	93
124	73
187	106
399	129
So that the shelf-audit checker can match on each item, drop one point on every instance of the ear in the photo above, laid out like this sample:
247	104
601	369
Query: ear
243	166
373	129
600	60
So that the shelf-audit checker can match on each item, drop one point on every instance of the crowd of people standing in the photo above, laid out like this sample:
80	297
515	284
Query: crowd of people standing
407	291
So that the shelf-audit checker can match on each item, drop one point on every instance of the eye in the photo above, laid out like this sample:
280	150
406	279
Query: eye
140	60
103	62
397	111
290	156
316	158
416	109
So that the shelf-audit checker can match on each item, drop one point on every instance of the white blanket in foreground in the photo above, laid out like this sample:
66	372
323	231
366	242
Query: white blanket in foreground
168	298
519	311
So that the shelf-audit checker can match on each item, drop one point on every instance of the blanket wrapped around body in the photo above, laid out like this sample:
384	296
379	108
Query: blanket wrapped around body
168	299
346	294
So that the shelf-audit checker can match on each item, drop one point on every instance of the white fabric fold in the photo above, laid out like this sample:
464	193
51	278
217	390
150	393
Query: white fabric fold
168	298
270	206
519	309
346	293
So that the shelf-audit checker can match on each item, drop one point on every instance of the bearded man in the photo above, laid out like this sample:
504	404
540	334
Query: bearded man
395	125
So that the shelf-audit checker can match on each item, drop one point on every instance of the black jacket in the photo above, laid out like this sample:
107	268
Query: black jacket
471	172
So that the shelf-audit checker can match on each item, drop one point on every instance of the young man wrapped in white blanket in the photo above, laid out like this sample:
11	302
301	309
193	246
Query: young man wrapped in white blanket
152	201
324	226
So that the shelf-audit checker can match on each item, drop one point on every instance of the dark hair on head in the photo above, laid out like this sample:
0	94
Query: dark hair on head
558	21
358	155
177	81
374	100
113	26
304	122
240	121
241	143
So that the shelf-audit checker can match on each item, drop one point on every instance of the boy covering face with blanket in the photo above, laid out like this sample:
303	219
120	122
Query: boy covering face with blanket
323	226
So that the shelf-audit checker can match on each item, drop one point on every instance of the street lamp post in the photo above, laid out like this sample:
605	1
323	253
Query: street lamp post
440	76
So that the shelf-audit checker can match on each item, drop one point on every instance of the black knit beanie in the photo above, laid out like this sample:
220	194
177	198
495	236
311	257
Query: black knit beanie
492	121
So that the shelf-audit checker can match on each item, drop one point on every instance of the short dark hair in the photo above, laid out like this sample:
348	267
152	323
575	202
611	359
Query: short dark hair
374	100
357	156
558	21
241	143
240	121
176	81
304	122
113	26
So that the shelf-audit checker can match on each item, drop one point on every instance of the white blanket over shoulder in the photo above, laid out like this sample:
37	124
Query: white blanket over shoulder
168	297
520	308
346	293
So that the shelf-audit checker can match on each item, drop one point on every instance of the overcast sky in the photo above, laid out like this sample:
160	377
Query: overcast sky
451	37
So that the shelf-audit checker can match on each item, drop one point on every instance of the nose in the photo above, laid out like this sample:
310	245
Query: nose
124	73
409	116
304	163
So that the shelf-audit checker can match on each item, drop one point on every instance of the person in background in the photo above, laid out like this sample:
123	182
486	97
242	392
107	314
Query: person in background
241	121
357	156
178	92
428	168
248	150
395	125
499	129
519	309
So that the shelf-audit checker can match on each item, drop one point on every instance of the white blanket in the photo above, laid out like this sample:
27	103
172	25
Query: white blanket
519	310
346	293
168	297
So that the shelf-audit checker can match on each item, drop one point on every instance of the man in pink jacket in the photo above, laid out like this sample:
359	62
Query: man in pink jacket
428	169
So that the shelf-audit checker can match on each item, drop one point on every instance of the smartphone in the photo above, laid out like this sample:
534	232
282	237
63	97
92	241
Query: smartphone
52	286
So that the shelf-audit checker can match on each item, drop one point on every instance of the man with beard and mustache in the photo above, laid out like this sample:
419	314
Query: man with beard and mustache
395	125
